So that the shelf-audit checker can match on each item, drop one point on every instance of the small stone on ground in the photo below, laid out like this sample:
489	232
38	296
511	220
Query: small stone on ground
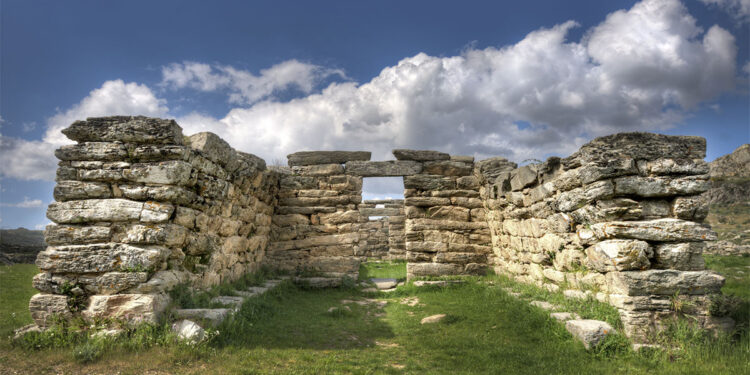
543	305
384	283
564	316
590	332
188	330
433	319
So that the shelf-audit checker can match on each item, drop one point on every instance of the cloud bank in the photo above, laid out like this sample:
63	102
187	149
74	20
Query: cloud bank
645	68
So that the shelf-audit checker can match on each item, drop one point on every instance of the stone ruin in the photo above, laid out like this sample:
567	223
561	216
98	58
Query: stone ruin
140	208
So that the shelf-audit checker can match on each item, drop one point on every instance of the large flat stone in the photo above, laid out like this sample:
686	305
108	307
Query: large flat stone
383	168
590	332
619	255
129	129
420	155
94	210
326	157
133	308
45	307
100	258
654	230
663	282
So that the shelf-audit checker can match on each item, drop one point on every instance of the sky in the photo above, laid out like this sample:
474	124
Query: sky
521	80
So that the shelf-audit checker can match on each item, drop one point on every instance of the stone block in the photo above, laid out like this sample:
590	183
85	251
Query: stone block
73	234
128	129
420	155
383	168
654	230
319	170
433	269
690	208
523	177
673	167
426	201
45	308
133	308
326	157
589	332
491	168
619	255
680	256
104	257
660	186
94	210
429	182
448	168
663	282
73	190
98	151
579	197
172	172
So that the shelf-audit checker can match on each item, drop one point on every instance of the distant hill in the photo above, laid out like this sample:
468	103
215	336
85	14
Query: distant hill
20	245
730	178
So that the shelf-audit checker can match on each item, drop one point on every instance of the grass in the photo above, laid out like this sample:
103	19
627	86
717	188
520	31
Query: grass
383	270
736	269
291	331
15	291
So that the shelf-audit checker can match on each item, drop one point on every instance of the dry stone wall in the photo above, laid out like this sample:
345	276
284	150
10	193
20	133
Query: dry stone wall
445	227
140	208
619	220
317	222
383	237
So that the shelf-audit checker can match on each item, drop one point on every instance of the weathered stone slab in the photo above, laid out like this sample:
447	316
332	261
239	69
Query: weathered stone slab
172	172
690	208
619	255
429	182
420	155
590	332
156	234
98	151
326	157
319	170
94	210
448	168
426	201
144	153
383	168
663	282
134	308
433	269
45	307
72	190
129	129
70	234
100	258
523	177
579	197
660	186
166	193
680	256
673	167
643	146
654	230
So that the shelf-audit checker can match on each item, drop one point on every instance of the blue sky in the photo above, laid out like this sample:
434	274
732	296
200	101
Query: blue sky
516	79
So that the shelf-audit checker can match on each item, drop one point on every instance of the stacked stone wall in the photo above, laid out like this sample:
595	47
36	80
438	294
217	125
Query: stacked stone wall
139	209
445	228
620	220
316	226
382	237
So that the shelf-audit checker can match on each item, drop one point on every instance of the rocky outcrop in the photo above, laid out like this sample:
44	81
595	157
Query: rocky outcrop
730	178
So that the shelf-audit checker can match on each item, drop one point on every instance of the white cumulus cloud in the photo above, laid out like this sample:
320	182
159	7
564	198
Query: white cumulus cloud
35	160
740	9
640	69
245	87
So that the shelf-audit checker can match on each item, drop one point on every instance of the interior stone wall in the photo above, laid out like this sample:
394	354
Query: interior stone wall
383	237
445	227
139	208
316	225
619	220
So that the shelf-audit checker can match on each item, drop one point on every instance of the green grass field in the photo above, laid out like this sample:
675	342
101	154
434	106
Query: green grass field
290	331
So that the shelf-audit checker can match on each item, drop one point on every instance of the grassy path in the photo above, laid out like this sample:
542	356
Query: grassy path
291	331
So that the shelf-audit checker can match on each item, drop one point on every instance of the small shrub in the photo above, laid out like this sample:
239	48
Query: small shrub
724	305
89	351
